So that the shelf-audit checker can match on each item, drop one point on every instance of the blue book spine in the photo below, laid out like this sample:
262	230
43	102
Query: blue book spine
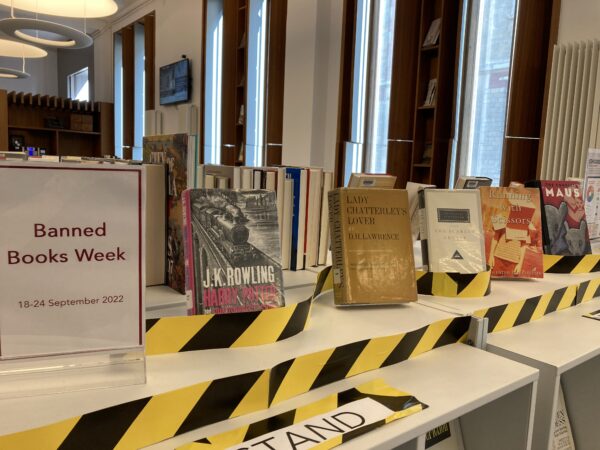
294	174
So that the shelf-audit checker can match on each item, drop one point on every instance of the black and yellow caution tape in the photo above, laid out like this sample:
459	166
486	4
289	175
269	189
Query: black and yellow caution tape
153	419
454	284
571	264
203	332
328	432
588	290
503	317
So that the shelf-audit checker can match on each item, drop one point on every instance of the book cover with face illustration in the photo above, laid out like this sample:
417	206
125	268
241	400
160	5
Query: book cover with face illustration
513	231
563	218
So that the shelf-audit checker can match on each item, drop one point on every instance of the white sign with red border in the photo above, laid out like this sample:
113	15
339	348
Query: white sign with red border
71	258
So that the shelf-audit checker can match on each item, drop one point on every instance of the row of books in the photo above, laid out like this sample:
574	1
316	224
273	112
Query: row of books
22	156
461	231
301	199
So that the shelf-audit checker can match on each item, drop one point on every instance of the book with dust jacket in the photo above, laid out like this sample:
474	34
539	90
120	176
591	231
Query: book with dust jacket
371	241
233	256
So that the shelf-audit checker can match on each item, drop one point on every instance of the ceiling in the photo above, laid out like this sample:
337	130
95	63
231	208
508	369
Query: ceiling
92	25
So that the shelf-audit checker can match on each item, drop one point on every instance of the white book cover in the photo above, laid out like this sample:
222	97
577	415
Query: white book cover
280	197
592	192
452	231
433	33
200	175
192	163
286	221
302	220
324	232
209	181
313	217
237	178
257	179
247	180
271	182
413	205
562	435
73	266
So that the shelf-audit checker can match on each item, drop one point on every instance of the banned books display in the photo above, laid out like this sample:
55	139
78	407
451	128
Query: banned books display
513	231
373	260
232	251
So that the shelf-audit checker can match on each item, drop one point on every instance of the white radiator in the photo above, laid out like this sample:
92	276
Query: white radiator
573	110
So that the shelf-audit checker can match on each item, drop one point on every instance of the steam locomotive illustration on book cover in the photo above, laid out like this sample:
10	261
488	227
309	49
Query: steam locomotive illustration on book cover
233	261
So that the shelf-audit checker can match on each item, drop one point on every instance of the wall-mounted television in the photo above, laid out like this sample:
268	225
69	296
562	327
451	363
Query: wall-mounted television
175	82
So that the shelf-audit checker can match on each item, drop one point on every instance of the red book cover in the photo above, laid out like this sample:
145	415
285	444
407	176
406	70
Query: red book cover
565	225
513	231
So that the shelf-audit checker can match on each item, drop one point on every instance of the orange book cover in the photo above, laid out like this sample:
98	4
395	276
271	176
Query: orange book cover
512	225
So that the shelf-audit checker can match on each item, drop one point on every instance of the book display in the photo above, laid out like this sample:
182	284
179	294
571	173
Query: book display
513	231
372	249
564	224
172	151
232	251
592	192
451	231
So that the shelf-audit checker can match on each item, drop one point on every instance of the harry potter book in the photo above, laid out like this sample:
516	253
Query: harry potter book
232	251
513	231
372	251
564	224
451	231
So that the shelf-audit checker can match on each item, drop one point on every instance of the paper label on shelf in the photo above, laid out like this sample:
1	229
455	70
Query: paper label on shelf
71	262
562	438
316	430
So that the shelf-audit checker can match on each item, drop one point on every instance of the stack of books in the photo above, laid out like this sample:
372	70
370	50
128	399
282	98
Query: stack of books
302	206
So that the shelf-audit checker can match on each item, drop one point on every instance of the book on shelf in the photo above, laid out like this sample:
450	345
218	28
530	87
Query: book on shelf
313	216
232	251
286	222
372	251
512	225
445	437
324	226
232	174
561	432
427	154
433	34
300	177
13	156
172	151
413	206
372	180
564	224
156	182
451	231
472	182
431	93
592	192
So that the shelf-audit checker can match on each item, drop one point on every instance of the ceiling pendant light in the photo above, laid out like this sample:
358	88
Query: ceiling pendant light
69	38
14	49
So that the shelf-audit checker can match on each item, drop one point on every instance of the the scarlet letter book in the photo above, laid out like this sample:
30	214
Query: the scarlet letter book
172	150
372	250
564	224
232	251
451	231
512	225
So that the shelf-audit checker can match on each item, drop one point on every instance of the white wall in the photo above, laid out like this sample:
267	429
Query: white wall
579	20
313	46
43	71
178	32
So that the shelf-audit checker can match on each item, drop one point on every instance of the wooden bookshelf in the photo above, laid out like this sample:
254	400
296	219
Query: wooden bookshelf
235	58
433	121
28	116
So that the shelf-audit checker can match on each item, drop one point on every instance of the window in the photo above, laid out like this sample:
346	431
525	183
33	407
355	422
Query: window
487	54
372	68
237	95
133	85
78	86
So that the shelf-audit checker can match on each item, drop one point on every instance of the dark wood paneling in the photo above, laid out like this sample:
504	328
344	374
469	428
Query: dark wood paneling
402	91
228	101
3	121
345	92
150	57
107	130
536	31
520	156
275	79
127	40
